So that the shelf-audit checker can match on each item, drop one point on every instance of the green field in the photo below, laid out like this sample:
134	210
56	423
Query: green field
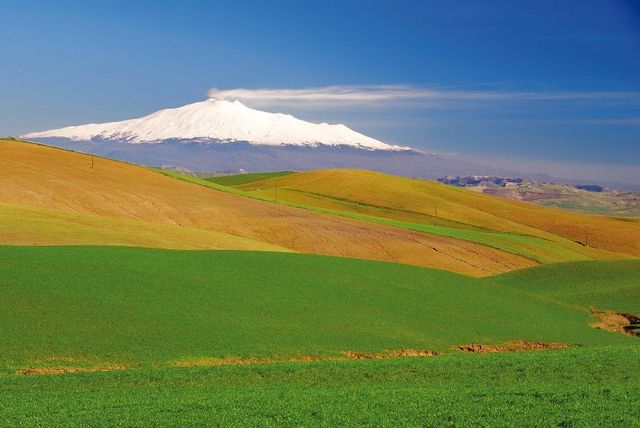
605	285
237	179
572	387
93	306
207	337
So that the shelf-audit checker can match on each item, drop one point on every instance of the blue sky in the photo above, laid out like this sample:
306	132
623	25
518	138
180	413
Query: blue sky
550	85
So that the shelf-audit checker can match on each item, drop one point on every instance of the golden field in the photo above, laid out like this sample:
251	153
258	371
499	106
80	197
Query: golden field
428	202
55	197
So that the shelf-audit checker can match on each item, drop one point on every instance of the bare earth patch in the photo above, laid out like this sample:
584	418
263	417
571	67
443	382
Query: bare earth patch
518	345
235	361
617	322
232	361
63	370
390	354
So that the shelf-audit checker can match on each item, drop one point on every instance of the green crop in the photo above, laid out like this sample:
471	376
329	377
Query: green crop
92	306
572	387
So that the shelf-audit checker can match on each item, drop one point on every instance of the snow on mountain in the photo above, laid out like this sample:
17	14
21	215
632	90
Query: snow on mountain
222	121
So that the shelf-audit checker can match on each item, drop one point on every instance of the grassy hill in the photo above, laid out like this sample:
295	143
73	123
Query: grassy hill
196	337
101	306
238	179
604	285
47	190
552	249
430	203
100	202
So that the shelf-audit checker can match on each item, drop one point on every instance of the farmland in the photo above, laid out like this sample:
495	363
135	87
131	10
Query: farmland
329	305
141	307
610	286
432	203
260	337
36	178
598	385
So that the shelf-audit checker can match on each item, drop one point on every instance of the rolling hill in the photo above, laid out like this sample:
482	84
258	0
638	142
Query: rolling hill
95	335
124	307
430	203
94	332
36	177
612	285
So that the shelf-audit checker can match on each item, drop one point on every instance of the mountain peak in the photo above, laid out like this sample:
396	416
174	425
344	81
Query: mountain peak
219	120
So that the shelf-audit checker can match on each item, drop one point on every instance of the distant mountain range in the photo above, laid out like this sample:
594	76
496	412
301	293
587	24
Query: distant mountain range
590	198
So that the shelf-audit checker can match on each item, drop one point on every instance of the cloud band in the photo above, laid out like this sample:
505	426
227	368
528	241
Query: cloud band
379	94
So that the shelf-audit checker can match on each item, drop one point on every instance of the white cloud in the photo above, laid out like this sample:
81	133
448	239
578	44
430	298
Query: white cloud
376	95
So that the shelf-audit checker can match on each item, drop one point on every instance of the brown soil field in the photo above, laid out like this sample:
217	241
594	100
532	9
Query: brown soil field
519	345
46	178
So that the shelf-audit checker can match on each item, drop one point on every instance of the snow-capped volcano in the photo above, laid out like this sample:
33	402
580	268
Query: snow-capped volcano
219	136
220	121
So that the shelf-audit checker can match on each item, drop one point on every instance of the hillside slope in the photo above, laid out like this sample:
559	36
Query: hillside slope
427	202
28	225
142	307
40	177
612	285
